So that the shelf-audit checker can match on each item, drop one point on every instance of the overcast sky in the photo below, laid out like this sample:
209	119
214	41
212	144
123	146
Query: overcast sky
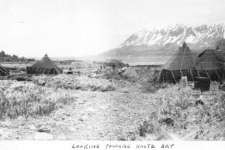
74	28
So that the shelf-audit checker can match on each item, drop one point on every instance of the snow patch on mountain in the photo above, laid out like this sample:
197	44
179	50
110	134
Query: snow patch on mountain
190	39
200	36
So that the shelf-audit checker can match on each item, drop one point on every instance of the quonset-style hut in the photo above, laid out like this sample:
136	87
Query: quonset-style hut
130	72
210	64
44	66
180	64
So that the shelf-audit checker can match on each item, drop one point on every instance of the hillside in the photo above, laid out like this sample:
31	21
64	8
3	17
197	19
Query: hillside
165	41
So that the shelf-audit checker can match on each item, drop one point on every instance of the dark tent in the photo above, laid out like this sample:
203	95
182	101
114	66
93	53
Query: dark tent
210	64
3	71
179	65
44	66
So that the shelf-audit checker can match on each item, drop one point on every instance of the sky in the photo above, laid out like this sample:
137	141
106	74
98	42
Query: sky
76	28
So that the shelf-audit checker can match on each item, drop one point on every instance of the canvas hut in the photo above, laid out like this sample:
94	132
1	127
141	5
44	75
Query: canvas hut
179	65
3	71
210	64
44	66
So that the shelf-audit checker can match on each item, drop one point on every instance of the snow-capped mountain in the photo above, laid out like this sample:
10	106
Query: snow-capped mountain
201	36
170	38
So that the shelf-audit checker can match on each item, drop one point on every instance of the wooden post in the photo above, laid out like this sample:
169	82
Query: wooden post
158	78
184	81
198	73
27	69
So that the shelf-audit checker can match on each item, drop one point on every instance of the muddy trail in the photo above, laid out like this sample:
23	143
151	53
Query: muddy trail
91	116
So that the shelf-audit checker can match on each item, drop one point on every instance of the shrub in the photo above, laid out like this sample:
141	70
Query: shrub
76	83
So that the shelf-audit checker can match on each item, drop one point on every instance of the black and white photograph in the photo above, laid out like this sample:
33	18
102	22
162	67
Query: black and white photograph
112	70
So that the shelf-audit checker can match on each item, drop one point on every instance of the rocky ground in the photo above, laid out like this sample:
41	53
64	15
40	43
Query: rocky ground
128	110
93	115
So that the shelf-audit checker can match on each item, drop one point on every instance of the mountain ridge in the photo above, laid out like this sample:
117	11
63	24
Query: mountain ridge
168	39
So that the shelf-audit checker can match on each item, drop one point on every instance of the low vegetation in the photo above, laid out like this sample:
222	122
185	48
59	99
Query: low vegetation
29	100
183	112
44	94
74	83
178	112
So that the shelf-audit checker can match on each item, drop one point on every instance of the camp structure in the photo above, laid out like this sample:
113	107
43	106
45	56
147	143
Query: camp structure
130	72
3	71
44	66
179	65
210	64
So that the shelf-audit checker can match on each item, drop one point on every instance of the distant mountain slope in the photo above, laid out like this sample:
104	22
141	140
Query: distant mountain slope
167	40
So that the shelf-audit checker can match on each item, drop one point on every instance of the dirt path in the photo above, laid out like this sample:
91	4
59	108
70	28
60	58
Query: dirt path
92	116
